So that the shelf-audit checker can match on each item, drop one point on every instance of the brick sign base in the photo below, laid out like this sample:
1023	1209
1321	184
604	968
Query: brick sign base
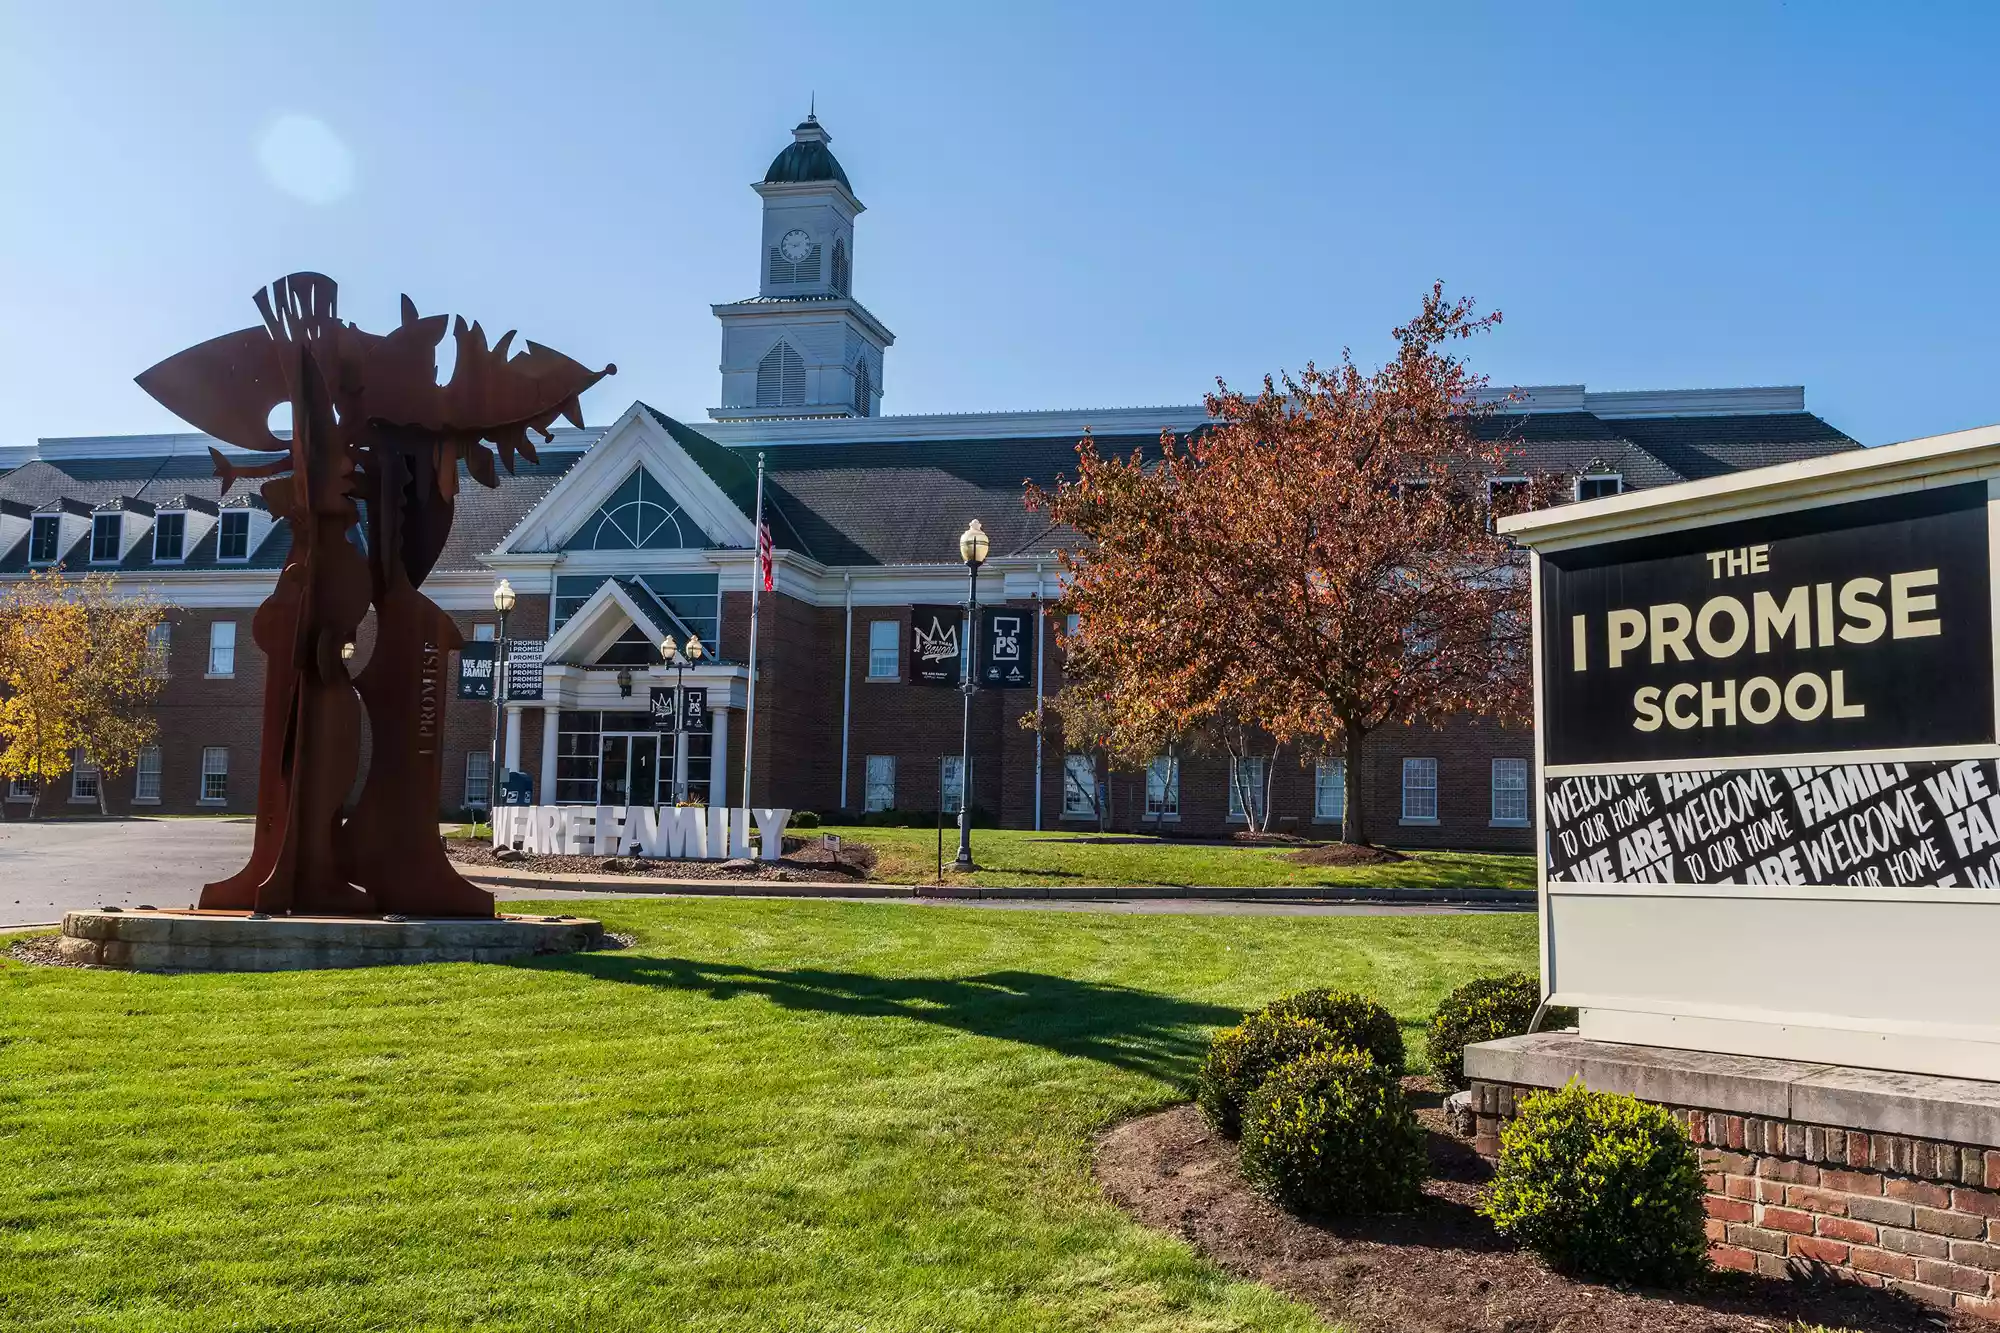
1800	1194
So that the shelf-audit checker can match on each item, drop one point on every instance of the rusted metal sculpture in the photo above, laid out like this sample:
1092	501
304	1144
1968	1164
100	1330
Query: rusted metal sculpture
370	424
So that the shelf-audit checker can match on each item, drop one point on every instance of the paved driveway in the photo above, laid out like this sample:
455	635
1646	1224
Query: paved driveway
59	866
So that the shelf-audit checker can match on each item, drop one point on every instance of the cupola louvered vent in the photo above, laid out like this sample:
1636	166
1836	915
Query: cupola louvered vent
784	271
840	266
864	392
781	378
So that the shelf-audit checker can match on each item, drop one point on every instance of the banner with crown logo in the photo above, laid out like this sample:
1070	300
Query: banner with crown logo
935	651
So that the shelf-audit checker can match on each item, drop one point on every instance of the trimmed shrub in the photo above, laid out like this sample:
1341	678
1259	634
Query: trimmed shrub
1483	1009
1601	1185
804	819
1356	1021
1330	1132
1240	1058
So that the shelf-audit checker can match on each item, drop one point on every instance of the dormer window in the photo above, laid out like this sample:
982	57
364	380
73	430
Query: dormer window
1597	485
781	378
169	537
107	533
45	539
233	539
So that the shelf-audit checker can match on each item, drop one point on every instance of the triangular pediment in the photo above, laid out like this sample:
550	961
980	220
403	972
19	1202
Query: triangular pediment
674	484
617	606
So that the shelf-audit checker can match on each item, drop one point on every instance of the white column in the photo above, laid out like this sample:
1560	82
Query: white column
512	763
718	758
546	792
680	763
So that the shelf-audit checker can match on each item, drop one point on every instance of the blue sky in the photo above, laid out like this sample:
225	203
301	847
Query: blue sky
1068	206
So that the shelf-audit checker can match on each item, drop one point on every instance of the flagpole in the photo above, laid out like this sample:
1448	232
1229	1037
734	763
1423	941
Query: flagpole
756	583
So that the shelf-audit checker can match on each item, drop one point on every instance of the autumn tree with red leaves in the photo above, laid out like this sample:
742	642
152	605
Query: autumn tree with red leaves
1320	561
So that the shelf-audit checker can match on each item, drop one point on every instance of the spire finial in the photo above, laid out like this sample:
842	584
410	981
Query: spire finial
812	105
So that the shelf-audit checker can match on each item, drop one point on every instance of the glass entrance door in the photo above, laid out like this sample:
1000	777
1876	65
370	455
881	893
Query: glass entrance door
628	768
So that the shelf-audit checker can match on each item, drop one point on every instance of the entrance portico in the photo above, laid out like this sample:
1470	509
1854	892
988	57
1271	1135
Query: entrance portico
599	745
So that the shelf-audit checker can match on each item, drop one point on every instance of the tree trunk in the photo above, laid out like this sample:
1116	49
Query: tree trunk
1354	818
102	808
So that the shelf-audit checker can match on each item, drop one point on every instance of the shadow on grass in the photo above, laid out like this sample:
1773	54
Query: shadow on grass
1136	1030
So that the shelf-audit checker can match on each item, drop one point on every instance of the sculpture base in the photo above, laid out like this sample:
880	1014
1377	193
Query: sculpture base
196	941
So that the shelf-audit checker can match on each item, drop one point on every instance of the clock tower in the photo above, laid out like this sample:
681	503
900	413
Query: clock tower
803	346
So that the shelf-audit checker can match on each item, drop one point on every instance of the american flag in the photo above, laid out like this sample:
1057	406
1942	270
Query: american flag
764	553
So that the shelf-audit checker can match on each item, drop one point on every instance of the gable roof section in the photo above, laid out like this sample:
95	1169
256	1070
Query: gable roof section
617	605
701	476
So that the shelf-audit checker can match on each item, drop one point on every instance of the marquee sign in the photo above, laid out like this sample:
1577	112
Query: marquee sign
1859	626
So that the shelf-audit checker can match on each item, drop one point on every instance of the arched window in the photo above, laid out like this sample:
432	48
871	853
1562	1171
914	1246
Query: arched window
639	516
864	394
781	378
840	266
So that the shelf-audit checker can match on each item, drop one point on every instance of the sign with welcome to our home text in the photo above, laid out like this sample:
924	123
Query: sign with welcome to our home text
1848	627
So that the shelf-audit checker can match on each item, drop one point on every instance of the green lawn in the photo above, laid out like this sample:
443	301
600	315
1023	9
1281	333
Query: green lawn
1012	857
765	1116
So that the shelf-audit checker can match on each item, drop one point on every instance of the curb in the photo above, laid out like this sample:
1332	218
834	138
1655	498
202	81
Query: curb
1317	893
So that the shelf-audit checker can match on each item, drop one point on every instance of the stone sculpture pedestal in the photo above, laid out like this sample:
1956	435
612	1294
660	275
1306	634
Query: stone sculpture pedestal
197	941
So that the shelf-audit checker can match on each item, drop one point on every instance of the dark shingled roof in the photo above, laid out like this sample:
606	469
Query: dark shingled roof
905	502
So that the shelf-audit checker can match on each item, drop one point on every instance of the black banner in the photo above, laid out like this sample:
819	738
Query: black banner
934	646
1006	647
524	668
688	712
1846	627
1927	824
475	669
661	704
694	709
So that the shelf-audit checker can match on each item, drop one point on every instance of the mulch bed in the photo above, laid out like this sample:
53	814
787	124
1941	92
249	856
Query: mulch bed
1441	1268
1345	854
812	862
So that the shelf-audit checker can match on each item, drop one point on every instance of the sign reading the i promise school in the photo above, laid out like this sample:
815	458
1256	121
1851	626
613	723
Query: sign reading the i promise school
1858	626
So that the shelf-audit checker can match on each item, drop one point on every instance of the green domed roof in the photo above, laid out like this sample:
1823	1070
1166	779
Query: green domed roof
806	158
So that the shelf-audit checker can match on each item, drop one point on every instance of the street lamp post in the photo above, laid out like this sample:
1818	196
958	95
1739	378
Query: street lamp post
972	548
672	654
503	602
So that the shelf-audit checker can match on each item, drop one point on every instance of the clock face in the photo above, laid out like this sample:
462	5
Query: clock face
795	245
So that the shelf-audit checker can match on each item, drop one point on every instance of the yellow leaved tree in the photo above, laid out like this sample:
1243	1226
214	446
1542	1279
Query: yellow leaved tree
80	675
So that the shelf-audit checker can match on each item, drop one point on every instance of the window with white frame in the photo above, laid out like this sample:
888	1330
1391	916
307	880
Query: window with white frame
169	537
20	788
951	773
233	536
1246	775
478	777
222	648
1079	786
83	777
878	787
484	632
159	648
1510	792
1597	485
1330	791
885	639
1420	791
215	775
45	539
1163	788
146	776
1071	623
107	534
